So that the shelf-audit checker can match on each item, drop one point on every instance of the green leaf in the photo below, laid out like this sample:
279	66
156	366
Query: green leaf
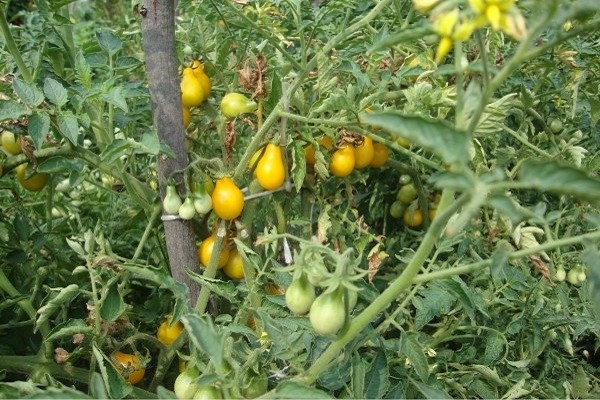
275	93
12	110
68	126
83	70
96	387
414	353
68	329
150	143
55	92
298	166
56	5
28	93
591	257
499	268
494	347
378	377
112	302
554	177
139	191
38	127
404	36
581	385
127	62
509	207
109	42
21	226
64	296
225	289
116	98
114	150
294	390
58	393
113	381
430	392
359	370
58	164
204	335
436	136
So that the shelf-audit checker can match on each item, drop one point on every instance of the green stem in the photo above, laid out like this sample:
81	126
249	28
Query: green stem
526	143
390	294
12	48
149	227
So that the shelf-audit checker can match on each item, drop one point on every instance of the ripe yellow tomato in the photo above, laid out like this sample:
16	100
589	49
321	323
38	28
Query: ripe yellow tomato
129	366
202	78
206	248
235	266
227	199
431	213
270	170
364	153
342	162
35	182
11	143
413	218
187	117
381	155
309	150
168	333
192	93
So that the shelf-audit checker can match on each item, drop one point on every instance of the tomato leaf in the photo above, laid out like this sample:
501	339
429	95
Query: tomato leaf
55	92
68	328
413	351
112	302
64	296
68	126
494	347
377	378
110	42
12	110
405	35
430	392
28	93
554	177
298	166
294	390
204	335
38	127
436	136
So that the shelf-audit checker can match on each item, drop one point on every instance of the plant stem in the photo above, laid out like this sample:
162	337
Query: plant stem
12	47
149	227
389	295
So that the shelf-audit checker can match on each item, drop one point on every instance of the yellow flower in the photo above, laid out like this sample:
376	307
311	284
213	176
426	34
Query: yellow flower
450	30
501	15
443	49
444	24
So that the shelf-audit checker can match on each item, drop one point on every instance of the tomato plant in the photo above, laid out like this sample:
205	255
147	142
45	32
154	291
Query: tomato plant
130	366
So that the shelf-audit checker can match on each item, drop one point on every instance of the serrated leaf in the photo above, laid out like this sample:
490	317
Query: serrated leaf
83	70
116	98
28	93
275	92
554	177
64	296
433	135
510	208
68	126
12	110
293	390
68	328
139	191
75	246
591	257
378	377
225	289
323	224
359	370
112	304
204	335
58	164
415	354
581	385
298	166
55	92
127	62
430	392
38	127
114	150
109	42
494	348
150	143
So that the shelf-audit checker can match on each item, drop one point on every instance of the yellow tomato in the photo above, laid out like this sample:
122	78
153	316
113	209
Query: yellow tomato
11	143
270	170
431	213
254	159
381	155
364	153
309	150
227	199
35	182
129	366
206	248
192	93
235	266
168	333
187	117
413	218
342	162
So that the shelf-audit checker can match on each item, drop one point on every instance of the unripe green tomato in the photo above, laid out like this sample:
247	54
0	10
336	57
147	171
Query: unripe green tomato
397	209
556	126
328	313
187	50
352	296
207	393
573	276
172	201
560	274
581	276
185	386
234	104
187	209
407	193
299	296
203	204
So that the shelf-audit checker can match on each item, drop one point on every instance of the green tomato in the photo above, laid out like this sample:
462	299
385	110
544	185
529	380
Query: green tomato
172	201
254	384
187	209
185	386
407	193
207	393
234	104
397	209
300	295
556	126
327	313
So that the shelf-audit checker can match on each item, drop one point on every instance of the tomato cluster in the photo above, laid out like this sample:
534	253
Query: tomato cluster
406	205
195	88
29	180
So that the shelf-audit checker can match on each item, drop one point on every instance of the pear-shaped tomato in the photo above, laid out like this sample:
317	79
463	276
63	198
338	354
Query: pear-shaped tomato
187	116
205	251
227	199
328	313
342	162
34	182
300	295
234	104
202	78
364	153
11	143
270	170
381	155
192	93
235	265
